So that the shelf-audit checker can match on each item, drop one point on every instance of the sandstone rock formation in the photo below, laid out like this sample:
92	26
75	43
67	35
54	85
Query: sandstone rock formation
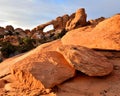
59	23
43	67
104	36
6	64
12	39
83	85
2	31
9	28
84	60
28	32
50	65
78	20
96	21
21	32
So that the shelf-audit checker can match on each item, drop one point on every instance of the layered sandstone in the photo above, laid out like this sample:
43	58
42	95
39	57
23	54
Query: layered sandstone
105	35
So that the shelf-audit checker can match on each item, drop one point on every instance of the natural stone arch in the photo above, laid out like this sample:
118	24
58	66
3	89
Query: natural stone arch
48	28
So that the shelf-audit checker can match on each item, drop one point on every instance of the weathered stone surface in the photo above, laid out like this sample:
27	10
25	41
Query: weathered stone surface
43	67
2	83
21	32
78	20
59	23
9	28
28	32
50	46
2	31
86	60
105	35
96	21
16	88
6	64
83	85
65	19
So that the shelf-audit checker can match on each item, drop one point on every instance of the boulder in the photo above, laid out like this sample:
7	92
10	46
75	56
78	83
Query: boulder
86	60
78	20
9	28
43	67
105	35
83	85
21	33
28	32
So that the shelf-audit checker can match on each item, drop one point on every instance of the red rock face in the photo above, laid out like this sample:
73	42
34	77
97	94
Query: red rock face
52	64
104	36
83	85
58	23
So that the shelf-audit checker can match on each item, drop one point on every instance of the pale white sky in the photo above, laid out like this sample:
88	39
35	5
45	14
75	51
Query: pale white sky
30	13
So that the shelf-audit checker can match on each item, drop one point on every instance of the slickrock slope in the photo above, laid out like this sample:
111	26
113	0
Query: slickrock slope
86	60
47	70
83	85
106	35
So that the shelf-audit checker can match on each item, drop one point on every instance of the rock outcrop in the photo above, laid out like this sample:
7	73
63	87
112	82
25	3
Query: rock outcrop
2	31
9	28
105	35
96	21
67	22
20	32
78	20
83	85
6	64
59	23
43	67
86	60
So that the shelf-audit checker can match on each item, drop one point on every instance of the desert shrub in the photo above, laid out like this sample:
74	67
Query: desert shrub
51	35
63	32
1	36
43	40
26	44
7	49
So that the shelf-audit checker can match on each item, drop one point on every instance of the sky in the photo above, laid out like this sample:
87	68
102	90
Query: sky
28	14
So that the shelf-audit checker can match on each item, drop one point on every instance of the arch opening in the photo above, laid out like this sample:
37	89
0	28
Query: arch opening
48	28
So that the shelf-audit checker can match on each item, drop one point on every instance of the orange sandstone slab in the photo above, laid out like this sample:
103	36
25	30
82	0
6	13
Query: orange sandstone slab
86	60
50	68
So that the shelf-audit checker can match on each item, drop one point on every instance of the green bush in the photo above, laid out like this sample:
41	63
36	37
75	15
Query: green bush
26	44
7	49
